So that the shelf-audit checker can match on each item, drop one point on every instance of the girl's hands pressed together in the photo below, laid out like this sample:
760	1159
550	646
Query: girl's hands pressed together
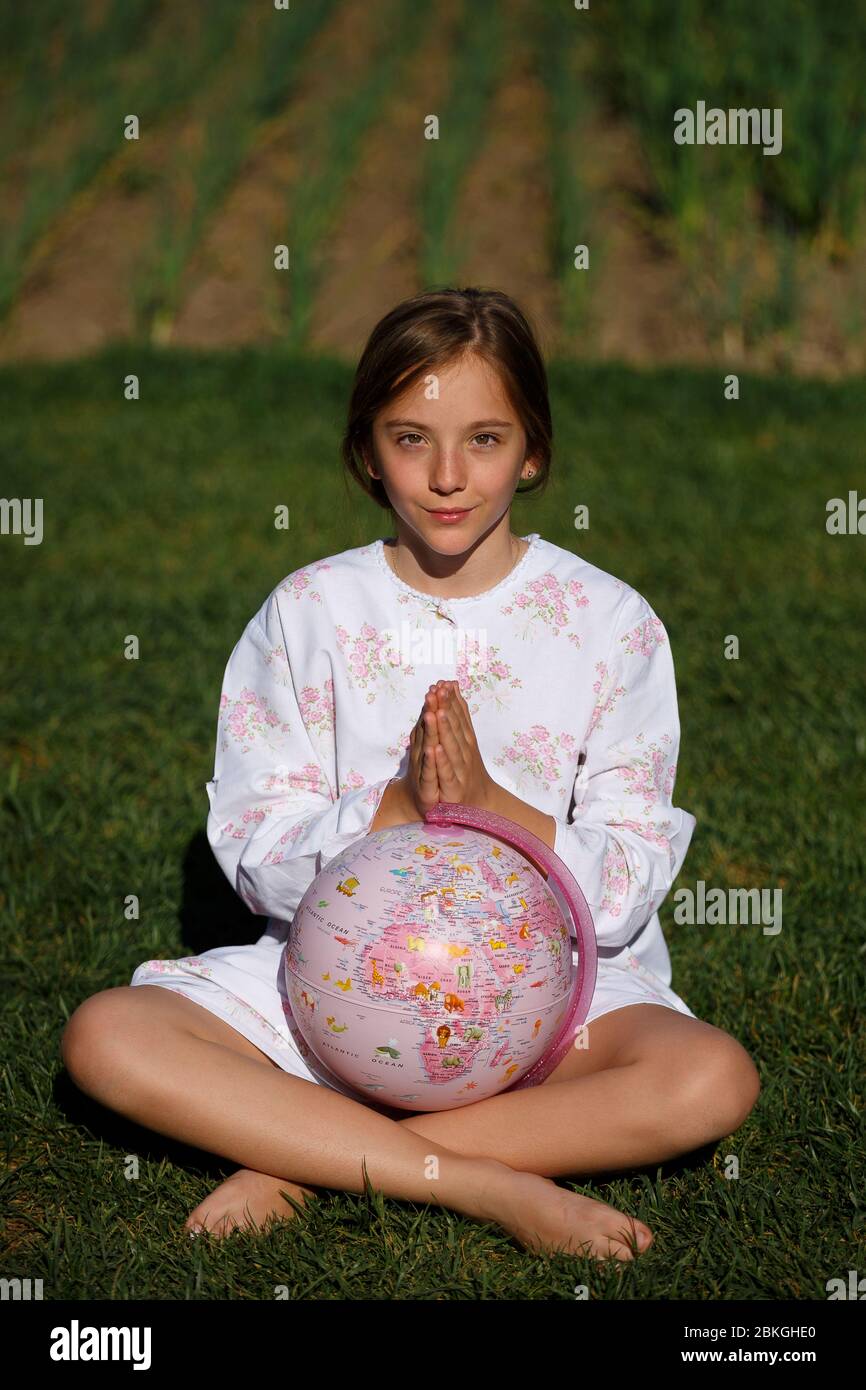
460	769
445	763
421	777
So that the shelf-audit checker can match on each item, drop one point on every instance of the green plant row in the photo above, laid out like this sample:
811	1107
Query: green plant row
158	74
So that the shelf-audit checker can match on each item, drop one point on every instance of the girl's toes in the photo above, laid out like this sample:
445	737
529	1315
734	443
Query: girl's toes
194	1223
246	1200
622	1245
210	1217
637	1234
644	1236
198	1226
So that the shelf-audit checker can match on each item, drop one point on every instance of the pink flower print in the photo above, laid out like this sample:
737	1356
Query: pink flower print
615	876
643	639
279	663
488	678
651	830
254	815
162	967
184	965
374	796
398	749
298	584
576	594
352	782
544	600
275	855
647	774
317	707
250	718
372	659
607	696
537	755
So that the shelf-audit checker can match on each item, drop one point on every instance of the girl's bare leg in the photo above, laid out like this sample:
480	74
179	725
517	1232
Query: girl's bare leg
653	1084
145	1052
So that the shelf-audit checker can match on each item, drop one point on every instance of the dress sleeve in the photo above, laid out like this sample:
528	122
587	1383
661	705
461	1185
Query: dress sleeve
276	814
625	841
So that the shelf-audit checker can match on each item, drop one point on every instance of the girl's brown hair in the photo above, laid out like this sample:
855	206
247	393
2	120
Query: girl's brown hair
429	331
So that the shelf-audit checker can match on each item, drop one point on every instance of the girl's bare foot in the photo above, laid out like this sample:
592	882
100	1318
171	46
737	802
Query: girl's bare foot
547	1218
245	1200
540	1215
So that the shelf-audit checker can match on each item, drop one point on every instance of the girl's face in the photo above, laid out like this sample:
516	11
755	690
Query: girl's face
464	450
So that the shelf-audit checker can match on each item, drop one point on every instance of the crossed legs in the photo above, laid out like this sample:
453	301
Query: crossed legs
652	1084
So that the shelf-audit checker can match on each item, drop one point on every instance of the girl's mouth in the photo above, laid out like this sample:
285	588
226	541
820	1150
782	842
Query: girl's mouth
456	514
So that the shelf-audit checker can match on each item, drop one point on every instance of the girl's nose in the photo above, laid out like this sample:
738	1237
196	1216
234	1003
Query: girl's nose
448	471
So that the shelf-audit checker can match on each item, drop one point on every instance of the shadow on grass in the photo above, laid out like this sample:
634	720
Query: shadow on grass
211	913
662	1170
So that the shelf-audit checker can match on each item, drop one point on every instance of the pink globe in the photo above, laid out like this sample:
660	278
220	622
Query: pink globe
435	964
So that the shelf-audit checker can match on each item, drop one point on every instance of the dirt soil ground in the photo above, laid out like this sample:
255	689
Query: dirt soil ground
78	292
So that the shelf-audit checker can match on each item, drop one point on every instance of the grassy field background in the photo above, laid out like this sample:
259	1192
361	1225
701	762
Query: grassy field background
159	521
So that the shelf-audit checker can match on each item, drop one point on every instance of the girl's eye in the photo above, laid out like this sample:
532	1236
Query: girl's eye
483	435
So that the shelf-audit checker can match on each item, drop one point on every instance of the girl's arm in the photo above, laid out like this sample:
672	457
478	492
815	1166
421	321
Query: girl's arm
395	808
625	841
275	818
504	803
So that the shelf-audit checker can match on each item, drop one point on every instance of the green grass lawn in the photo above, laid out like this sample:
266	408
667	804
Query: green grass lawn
158	521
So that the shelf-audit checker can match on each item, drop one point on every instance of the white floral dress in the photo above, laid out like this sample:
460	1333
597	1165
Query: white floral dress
569	678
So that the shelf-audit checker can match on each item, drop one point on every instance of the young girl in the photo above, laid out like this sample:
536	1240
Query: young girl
546	693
